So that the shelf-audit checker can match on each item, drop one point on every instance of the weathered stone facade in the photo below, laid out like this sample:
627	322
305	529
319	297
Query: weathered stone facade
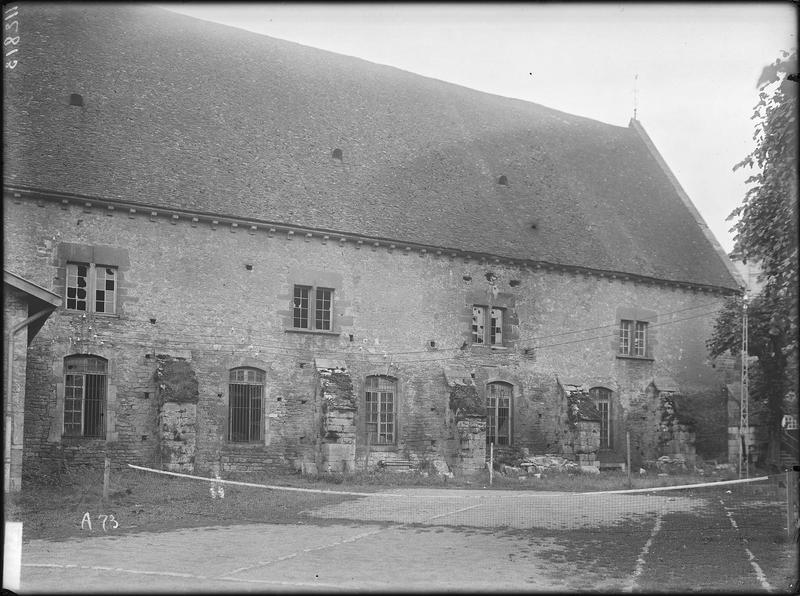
219	296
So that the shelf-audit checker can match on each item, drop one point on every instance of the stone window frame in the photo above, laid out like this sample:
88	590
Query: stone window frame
93	256
510	325
91	277
56	434
91	423
644	320
489	328
609	417
361	411
512	395
269	407
262	409
394	413
331	281
311	313
633	338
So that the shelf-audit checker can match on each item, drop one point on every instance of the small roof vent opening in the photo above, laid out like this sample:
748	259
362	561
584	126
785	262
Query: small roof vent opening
337	154
503	180
76	99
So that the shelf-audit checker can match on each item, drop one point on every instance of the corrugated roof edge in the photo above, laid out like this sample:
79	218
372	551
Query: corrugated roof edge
639	129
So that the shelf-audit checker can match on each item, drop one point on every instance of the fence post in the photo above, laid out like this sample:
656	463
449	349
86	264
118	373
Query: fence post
628	451
791	503
106	478
491	462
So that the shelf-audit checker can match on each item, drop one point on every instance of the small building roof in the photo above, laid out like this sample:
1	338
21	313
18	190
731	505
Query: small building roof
37	297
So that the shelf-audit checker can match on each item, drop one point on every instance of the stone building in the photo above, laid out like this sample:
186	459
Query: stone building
275	257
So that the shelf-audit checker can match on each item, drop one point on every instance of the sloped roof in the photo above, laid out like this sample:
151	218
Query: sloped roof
188	114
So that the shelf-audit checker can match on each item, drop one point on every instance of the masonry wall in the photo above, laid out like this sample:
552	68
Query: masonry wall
219	297
15	310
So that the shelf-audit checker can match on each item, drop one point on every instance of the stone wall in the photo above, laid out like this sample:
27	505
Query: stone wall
177	424
471	457
15	310
221	296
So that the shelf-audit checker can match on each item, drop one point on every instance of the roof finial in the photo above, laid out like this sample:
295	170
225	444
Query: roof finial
635	95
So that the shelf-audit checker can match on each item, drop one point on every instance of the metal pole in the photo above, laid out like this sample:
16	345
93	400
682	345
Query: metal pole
744	406
628	450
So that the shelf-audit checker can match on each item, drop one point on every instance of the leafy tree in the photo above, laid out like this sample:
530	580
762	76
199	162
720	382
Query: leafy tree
766	232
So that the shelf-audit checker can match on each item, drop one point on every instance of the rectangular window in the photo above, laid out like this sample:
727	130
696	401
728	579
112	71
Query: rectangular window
498	414
245	407
478	324
316	314
483	333
380	401
84	397
602	399
300	319
91	288
322	309
633	338
640	339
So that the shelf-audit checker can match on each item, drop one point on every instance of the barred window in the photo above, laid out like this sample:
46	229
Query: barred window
91	288
633	338
316	314
85	380
498	413
381	410
487	332
245	405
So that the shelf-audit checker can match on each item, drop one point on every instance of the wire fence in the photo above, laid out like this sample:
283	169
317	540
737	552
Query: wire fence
765	504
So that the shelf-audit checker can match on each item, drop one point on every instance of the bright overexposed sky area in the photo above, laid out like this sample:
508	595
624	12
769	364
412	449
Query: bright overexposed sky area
695	66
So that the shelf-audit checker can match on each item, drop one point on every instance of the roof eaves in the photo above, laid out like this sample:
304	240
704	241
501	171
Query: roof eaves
30	288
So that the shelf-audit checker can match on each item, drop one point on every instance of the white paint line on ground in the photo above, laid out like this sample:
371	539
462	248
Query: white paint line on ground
451	512
338	543
181	575
640	561
103	568
762	579
306	550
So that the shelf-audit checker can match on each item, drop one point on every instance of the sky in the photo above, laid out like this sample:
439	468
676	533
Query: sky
689	69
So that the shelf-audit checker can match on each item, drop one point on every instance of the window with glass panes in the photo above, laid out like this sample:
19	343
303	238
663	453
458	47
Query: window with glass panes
91	288
602	400
312	308
633	338
380	406
487	332
498	413
245	405
85	380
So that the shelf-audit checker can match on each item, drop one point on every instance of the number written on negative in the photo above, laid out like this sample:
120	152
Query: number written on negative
108	522
11	36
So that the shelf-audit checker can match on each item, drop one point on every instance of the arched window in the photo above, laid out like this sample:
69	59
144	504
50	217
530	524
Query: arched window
85	381
498	413
245	405
380	395
602	399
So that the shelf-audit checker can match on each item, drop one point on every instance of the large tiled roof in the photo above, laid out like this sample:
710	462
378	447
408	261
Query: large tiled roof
188	114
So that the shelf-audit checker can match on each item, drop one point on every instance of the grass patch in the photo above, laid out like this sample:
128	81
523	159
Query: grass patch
53	505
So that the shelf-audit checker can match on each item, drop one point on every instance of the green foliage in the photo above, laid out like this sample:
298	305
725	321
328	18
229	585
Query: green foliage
766	232
766	229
